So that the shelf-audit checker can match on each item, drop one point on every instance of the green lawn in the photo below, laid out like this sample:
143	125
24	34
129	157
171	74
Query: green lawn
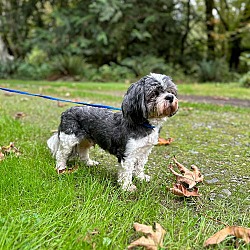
86	209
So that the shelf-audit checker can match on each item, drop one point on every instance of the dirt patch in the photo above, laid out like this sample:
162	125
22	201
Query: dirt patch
215	100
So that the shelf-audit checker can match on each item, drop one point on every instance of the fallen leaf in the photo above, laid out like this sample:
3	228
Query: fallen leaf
187	108
1	156
68	170
162	141
10	149
19	115
190	178
24	99
76	100
89	238
238	232
154	236
8	94
60	104
180	190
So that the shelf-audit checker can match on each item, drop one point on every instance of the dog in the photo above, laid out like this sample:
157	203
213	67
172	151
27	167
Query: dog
129	135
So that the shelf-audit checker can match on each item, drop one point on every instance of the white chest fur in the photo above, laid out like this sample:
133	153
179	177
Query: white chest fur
145	144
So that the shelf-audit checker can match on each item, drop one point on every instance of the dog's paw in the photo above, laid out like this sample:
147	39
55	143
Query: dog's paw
147	178
90	163
143	177
129	188
61	170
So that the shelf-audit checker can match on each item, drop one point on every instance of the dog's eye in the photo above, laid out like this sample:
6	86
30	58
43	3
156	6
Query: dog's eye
173	93
157	92
153	94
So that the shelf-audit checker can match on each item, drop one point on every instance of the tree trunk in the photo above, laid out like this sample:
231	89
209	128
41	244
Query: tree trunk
210	29
235	52
4	55
187	29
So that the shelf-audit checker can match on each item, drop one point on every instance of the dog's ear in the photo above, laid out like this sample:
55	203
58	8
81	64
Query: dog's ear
134	106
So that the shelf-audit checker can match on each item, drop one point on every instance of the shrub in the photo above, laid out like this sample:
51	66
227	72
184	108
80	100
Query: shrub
7	69
66	65
212	71
143	65
113	72
245	61
245	80
31	71
36	57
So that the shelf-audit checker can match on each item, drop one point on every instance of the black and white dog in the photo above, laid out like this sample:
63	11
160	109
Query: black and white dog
129	135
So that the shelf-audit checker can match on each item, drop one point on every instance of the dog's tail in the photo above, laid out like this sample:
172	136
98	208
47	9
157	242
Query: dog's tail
53	144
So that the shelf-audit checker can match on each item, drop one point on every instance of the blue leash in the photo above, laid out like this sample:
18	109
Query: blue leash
58	99
62	100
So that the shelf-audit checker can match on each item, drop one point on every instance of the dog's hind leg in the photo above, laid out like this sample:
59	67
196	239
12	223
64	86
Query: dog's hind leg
66	144
83	150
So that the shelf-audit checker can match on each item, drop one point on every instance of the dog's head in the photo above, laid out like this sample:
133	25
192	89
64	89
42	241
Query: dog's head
153	96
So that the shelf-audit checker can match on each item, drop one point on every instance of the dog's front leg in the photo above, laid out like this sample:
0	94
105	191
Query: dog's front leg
125	173
142	158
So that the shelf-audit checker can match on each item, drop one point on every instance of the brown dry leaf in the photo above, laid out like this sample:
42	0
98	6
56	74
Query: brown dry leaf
162	141
180	190
187	108
1	156
154	236
191	178
238	232
60	104
68	170
76	100
19	115
10	149
88	238
8	94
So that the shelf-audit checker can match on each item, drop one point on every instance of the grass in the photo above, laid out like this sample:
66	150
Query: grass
101	90
86	209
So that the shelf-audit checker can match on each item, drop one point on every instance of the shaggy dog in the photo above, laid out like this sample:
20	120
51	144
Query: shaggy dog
129	135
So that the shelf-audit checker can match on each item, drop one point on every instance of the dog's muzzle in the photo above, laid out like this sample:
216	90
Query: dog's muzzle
173	105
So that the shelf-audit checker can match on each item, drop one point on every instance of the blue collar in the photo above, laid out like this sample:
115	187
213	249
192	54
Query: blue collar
147	125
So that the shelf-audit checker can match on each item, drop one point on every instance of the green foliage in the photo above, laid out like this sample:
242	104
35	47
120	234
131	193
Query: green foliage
8	69
215	71
113	72
245	62
144	36
36	57
245	80
35	66
142	65
66	65
30	71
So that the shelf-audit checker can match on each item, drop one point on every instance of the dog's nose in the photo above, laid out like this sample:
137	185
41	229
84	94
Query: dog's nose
169	98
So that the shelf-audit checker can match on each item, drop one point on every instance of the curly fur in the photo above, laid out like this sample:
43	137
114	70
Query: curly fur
129	135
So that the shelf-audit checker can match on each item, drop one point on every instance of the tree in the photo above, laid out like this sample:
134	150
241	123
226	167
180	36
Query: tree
210	29
234	17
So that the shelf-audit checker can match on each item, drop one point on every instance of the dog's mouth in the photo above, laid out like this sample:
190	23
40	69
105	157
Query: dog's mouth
173	107
168	109
165	108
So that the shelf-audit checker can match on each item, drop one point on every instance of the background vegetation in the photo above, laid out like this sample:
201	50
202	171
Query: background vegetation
204	40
